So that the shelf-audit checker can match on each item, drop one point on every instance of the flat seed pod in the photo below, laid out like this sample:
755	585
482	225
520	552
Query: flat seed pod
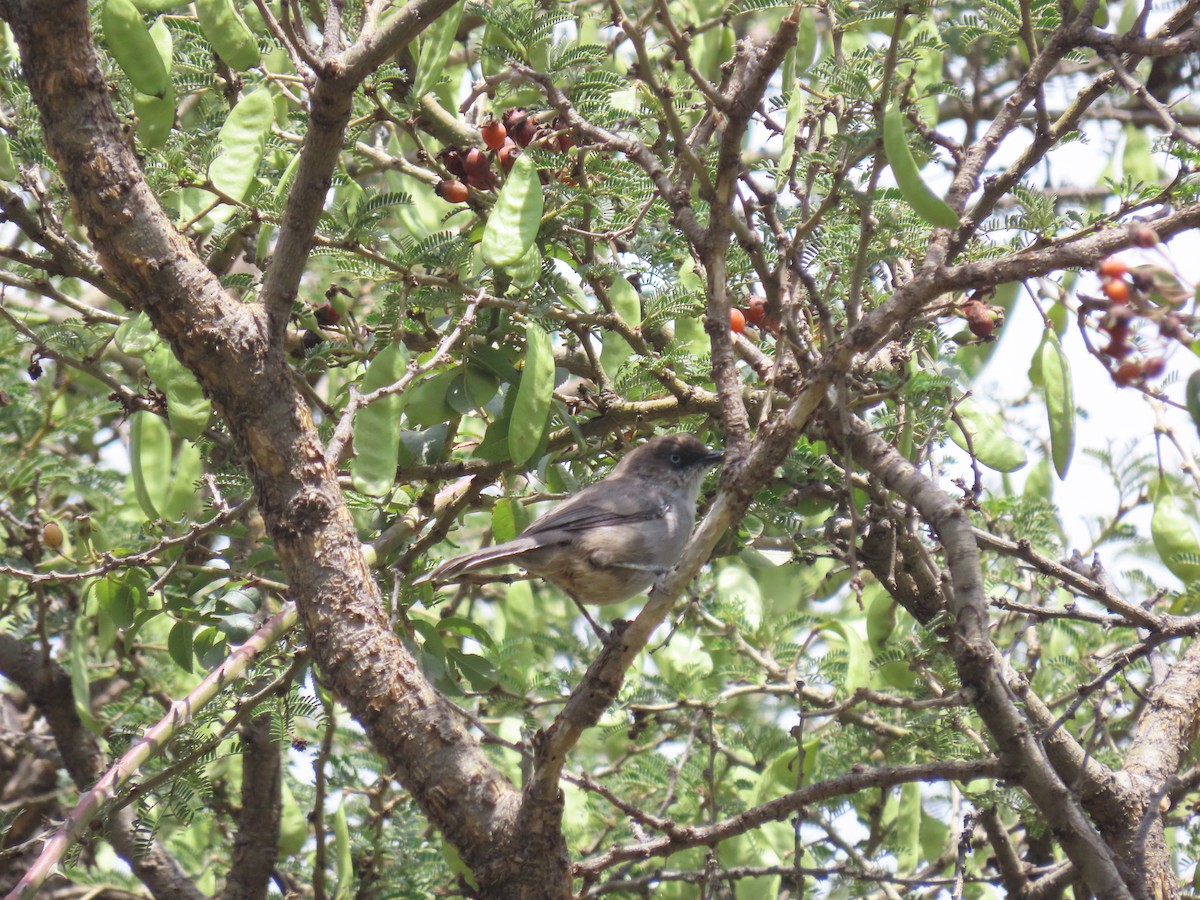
531	411
243	140
991	446
377	426
228	33
925	203
513	224
1060	401
133	48
1173	536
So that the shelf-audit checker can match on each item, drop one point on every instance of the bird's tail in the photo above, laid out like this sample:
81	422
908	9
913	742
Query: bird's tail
499	555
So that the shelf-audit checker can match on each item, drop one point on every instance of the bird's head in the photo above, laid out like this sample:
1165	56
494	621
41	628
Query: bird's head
680	460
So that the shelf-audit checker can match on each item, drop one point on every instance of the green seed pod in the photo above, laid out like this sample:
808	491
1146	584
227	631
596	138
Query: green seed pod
156	117
8	166
1193	398
513	224
243	139
133	48
1173	536
925	203
228	33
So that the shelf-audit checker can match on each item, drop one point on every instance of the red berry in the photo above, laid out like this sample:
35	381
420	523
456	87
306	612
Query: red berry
737	321
1111	267
756	309
1117	348
494	134
452	159
452	191
479	169
476	163
1115	290
525	132
508	154
1154	367
514	115
1144	236
1127	373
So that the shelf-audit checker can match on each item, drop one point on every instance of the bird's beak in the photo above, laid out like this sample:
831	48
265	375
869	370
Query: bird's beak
714	456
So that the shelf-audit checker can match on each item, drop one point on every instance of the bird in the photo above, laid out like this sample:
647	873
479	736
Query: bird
615	538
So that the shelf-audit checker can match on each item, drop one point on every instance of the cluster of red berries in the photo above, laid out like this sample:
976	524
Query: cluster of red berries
1127	292
755	313
503	139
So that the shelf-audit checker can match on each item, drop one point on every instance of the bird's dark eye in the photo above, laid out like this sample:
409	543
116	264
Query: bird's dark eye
676	459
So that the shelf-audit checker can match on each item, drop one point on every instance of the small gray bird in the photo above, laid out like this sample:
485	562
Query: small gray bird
612	540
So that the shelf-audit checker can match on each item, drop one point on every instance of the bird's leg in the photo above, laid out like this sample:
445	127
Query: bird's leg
604	636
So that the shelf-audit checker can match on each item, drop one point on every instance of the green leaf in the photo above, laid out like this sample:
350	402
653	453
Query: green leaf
1060	401
179	645
513	224
504	520
535	390
377	426
478	671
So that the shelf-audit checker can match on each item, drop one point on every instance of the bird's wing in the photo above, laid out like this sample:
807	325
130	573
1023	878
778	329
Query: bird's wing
596	509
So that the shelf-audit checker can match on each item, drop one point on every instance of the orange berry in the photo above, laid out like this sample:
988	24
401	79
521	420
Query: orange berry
493	133
1154	367
756	309
1111	267
1115	290
737	320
